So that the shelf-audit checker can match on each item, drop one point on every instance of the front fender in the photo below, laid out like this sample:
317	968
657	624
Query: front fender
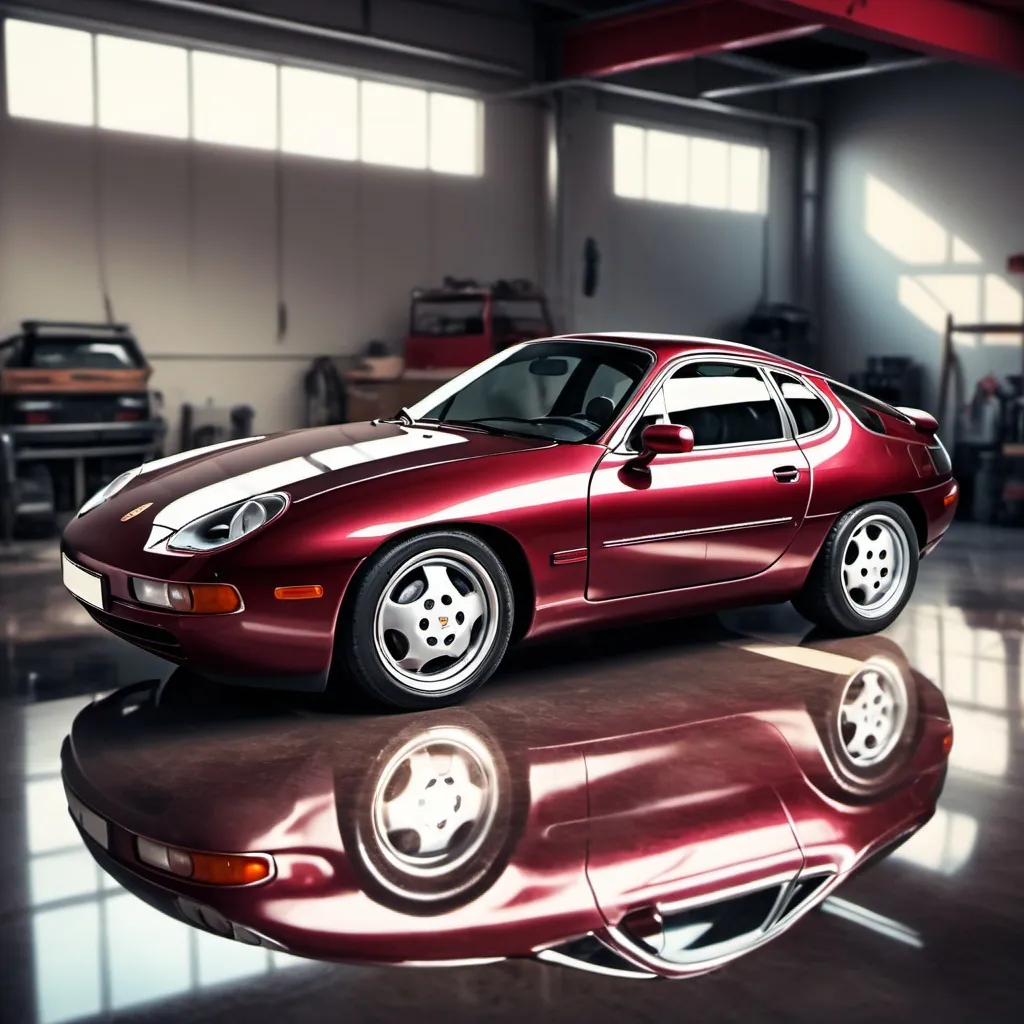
537	497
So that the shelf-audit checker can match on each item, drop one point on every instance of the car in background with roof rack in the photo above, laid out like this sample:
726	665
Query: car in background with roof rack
75	411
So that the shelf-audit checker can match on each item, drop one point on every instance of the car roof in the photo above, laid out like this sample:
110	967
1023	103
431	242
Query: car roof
667	346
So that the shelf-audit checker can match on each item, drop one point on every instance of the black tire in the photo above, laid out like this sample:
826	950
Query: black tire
389	865
358	636
824	599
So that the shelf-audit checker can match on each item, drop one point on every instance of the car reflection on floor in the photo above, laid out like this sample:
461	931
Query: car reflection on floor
653	833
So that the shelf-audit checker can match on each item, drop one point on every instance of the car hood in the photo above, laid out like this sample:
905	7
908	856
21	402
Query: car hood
302	462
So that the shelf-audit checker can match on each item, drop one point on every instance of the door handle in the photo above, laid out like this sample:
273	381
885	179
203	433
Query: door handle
786	474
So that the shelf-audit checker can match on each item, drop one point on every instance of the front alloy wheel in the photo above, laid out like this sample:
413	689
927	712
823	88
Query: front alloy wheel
432	617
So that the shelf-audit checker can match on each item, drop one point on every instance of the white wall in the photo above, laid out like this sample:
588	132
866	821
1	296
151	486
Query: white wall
950	141
187	232
668	268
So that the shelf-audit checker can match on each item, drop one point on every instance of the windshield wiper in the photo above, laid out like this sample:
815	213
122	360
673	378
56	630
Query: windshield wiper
488	428
402	416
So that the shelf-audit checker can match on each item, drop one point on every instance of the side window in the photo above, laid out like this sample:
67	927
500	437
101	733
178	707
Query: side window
723	403
809	411
863	408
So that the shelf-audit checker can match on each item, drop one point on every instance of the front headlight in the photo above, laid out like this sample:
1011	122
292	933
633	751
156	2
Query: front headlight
105	493
227	525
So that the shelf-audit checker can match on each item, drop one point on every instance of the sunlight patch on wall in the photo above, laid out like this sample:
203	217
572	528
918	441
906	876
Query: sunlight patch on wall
901	228
963	253
1003	305
912	236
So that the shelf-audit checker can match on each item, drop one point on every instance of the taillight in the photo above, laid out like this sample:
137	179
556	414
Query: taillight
38	417
127	414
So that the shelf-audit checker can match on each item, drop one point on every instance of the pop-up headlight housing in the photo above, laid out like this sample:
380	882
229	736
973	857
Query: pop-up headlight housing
226	525
106	493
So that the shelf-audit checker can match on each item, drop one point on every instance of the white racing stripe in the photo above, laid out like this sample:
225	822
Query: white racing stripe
171	460
278	475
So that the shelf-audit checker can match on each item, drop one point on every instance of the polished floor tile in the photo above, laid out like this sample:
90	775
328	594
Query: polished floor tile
931	932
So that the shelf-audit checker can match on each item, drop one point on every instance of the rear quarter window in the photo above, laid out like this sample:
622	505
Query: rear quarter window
870	412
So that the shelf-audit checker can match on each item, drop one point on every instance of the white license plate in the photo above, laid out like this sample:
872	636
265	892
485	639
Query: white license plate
92	824
88	586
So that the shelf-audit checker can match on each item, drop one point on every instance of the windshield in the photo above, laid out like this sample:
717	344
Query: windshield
82	354
441	317
561	390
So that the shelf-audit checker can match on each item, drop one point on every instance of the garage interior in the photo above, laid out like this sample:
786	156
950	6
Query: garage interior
259	199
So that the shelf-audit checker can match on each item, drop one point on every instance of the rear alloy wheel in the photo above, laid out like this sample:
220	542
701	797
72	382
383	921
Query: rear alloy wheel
431	620
865	572
872	723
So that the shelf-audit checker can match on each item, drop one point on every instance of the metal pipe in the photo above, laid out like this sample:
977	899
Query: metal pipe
741	62
818	79
338	36
650	96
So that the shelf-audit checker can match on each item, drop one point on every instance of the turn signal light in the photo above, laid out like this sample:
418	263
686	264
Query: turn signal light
947	743
201	598
214	598
298	593
208	868
951	497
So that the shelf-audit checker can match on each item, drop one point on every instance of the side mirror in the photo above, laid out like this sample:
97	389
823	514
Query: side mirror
662	439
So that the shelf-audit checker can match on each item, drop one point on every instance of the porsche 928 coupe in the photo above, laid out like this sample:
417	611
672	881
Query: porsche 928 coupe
567	483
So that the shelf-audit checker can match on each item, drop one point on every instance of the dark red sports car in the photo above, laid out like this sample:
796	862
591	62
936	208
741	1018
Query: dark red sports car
663	837
563	483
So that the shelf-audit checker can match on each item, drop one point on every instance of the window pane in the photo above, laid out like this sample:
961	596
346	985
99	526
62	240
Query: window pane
667	167
723	404
746	179
454	134
319	114
709	173
394	125
235	100
49	72
628	146
143	87
809	411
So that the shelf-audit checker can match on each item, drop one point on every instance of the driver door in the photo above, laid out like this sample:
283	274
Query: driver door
725	511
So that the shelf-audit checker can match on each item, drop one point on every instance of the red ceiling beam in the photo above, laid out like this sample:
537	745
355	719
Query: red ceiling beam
954	29
668	34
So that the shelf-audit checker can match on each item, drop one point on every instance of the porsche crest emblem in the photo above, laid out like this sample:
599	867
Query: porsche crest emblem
443	619
135	511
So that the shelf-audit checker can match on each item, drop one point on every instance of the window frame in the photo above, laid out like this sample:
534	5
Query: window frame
618	442
801	379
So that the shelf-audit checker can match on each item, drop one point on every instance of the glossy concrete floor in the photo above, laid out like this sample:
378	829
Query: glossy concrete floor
942	941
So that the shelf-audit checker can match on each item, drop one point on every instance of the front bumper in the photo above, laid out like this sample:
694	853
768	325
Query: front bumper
266	643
